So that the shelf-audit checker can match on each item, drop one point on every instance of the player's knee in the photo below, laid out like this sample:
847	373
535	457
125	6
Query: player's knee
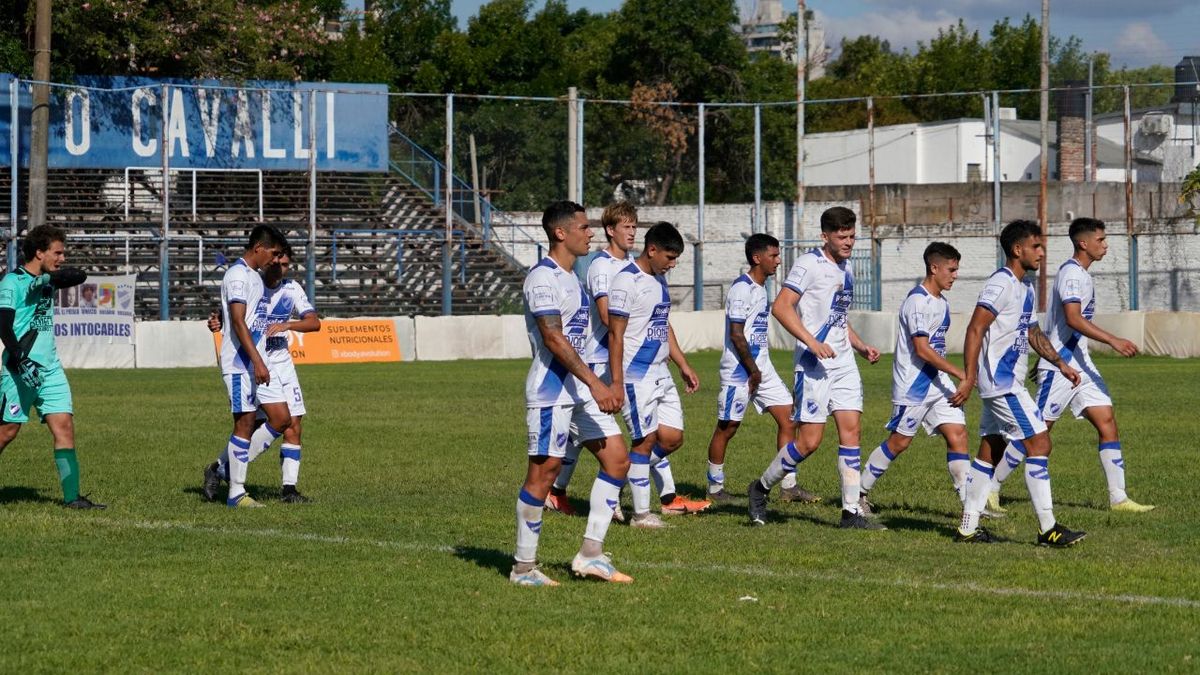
7	433
670	442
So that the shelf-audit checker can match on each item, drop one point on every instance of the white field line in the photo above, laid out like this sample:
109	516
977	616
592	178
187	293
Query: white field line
969	588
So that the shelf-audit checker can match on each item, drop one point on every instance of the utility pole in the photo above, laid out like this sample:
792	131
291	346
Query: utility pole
39	135
1043	217
801	78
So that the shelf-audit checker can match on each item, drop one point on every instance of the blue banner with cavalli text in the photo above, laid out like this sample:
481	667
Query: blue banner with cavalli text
121	122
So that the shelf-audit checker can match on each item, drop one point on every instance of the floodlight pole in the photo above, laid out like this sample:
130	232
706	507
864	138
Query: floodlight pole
801	77
310	258
14	149
698	263
1044	108
164	253
758	219
39	134
448	246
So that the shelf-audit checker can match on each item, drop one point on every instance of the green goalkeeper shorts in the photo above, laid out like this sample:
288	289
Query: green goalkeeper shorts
54	396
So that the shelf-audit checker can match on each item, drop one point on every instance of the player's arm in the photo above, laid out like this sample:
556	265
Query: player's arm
1041	344
18	363
925	352
308	323
691	381
617	323
67	277
1075	319
550	327
741	349
981	319
602	308
214	323
787	313
864	350
237	321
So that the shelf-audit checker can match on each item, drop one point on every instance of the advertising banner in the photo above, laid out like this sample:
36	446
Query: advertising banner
343	341
100	310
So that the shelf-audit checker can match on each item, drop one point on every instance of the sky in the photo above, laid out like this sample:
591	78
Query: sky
1134	32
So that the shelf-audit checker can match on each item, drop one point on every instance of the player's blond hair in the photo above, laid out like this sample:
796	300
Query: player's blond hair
615	213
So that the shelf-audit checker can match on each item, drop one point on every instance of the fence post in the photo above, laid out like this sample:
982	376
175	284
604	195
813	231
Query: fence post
996	194
310	263
14	151
580	145
698	275
447	253
1129	229
758	219
572	143
164	244
801	79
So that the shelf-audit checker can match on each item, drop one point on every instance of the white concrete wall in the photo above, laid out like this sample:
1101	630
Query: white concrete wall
448	338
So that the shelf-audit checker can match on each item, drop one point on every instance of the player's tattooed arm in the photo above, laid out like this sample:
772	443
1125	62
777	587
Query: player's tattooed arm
564	352
741	348
1041	344
67	277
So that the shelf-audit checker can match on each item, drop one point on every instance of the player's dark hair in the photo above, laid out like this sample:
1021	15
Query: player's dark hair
40	238
1016	232
837	218
663	235
616	212
759	243
939	251
559	214
1082	226
266	235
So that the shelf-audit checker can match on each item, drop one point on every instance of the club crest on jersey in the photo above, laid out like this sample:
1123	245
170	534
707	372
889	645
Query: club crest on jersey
811	407
14	409
1054	408
739	407
561	439
910	422
646	420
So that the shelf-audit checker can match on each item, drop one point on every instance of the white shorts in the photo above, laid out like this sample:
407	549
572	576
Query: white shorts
246	396
819	392
1055	393
289	383
601	371
732	399
930	415
650	403
1013	416
552	428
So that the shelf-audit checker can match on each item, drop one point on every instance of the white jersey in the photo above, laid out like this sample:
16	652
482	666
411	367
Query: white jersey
283	302
600	274
746	304
826	289
1004	363
242	285
1072	284
643	299
913	380
552	291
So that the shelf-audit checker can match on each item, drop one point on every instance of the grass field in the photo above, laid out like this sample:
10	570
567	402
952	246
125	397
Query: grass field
400	564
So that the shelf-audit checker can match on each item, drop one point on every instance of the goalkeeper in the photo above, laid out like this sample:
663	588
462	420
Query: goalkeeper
32	374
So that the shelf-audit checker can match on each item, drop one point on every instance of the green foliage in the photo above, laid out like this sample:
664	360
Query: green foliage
1189	193
399	565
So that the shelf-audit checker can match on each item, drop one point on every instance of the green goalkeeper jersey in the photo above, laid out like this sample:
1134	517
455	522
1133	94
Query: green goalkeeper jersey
32	299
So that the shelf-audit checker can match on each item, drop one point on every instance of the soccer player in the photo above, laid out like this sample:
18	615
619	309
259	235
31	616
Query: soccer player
1002	329
813	306
747	374
32	374
563	396
244	368
640	340
620	229
1069	323
285	299
923	396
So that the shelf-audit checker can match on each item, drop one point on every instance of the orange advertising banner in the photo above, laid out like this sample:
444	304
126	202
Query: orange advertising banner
344	341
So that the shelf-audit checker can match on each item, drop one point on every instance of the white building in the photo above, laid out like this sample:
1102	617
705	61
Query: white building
762	35
952	151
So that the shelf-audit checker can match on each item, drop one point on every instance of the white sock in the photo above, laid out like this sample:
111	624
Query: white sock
239	457
1014	454
1113	464
606	495
660	470
289	463
262	439
979	480
879	461
849	463
789	480
639	482
716	478
1037	479
529	526
958	464
568	467
784	464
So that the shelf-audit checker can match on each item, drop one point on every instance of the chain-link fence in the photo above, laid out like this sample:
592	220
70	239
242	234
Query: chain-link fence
443	214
